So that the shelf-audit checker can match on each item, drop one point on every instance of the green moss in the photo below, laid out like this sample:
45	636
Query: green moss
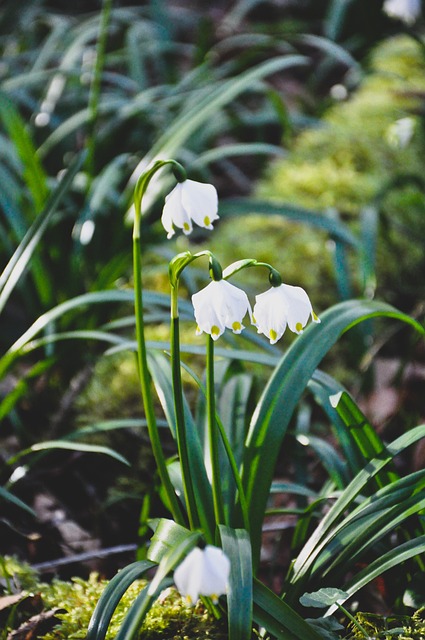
16	575
391	628
170	618
344	162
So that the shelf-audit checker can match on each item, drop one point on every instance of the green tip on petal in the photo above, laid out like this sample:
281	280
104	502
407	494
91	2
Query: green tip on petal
298	327
207	221
272	335
215	331
315	318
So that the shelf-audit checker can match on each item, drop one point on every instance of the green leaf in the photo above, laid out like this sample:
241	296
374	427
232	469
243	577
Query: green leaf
283	391
33	171
9	497
111	597
70	446
237	546
21	257
167	534
207	104
176	542
323	598
385	562
326	530
159	367
364	438
278	617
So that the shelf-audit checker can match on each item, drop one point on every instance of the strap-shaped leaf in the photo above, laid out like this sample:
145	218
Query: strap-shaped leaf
237	546
167	534
283	391
111	596
278	617
393	558
358	439
326	529
161	373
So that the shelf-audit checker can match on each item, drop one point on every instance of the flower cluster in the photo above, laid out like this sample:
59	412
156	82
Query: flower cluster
221	305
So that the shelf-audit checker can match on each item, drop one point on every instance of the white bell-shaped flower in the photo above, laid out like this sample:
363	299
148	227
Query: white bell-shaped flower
204	572
280	307
190	201
218	306
408	11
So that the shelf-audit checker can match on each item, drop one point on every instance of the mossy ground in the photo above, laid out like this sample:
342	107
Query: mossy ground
170	618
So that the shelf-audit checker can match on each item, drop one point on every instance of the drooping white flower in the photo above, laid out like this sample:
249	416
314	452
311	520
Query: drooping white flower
400	132
204	572
190	201
218	306
407	11
280	307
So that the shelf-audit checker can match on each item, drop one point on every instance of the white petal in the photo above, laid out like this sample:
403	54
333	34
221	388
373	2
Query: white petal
203	573
205	308
175	213
220	305
299	307
270	313
216	572
200	201
187	576
232	305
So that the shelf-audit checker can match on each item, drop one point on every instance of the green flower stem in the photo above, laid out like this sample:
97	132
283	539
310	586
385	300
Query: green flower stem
213	435
353	620
188	488
145	379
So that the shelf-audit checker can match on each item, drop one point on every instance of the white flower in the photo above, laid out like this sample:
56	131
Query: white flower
220	305
190	200
407	11
204	572
400	132
281	306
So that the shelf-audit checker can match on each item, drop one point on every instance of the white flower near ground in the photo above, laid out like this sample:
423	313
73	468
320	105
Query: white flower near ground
407	11
204	572
218	306
190	201
280	307
400	132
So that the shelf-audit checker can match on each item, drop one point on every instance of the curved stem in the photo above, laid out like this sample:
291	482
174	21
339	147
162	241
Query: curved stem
144	376
213	436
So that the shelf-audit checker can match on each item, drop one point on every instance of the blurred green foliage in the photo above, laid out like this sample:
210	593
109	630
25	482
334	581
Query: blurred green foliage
352	161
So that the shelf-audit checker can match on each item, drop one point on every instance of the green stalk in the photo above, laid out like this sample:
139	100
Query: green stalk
188	488
355	622
213	436
143	370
